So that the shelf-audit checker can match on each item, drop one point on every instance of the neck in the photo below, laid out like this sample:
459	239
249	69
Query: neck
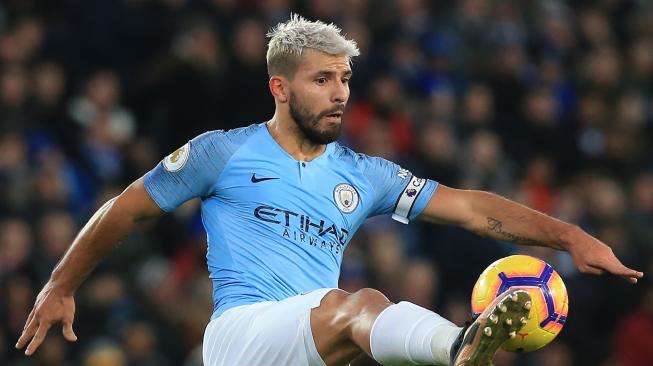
285	132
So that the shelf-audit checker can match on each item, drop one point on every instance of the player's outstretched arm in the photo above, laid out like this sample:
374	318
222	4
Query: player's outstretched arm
108	226
488	214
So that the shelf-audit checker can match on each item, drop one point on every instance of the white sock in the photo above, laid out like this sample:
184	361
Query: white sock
406	333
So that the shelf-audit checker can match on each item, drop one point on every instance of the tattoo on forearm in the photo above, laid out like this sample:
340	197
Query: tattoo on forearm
496	226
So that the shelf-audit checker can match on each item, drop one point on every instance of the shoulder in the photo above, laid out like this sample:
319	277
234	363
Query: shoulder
349	156
364	163
212	148
222	143
344	153
235	136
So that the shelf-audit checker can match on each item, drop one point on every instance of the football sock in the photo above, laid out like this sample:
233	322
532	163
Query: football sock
406	332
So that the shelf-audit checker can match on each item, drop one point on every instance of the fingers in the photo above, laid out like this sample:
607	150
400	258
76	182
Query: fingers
68	332
631	273
591	270
28	331
628	274
36	332
619	269
29	319
38	338
632	280
632	276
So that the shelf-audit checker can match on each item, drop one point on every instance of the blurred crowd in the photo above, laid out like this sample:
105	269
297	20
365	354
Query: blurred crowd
547	102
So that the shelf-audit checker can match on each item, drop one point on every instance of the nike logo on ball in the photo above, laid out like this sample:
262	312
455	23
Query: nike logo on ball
256	180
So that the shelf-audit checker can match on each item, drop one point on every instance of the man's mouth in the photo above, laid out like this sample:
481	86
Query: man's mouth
334	115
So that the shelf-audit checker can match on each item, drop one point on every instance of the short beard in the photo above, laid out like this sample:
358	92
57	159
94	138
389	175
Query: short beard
308	123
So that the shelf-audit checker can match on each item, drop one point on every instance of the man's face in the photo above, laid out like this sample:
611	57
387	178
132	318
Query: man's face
318	94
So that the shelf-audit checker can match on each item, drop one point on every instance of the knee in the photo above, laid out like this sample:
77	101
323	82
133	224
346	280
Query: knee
335	299
349	306
367	297
350	316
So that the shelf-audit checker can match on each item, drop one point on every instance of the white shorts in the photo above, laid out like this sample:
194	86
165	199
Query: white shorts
268	333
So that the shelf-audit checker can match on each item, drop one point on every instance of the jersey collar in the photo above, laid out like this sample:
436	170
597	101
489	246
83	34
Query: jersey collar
276	147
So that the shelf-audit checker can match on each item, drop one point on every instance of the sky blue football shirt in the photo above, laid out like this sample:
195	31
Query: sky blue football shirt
277	227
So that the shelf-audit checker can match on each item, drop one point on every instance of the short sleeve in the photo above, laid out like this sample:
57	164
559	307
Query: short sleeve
396	190
190	171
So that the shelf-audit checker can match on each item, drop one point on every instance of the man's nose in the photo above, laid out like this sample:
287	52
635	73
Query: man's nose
340	92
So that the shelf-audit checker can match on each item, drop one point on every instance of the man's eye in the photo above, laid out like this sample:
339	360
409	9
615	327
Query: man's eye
345	81
321	80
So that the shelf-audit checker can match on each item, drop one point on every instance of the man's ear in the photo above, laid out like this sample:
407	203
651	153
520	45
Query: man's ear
279	88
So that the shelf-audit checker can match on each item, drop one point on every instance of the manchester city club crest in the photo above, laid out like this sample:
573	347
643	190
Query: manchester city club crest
346	197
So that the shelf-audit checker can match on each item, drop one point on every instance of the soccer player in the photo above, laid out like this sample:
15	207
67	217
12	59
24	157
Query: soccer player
280	202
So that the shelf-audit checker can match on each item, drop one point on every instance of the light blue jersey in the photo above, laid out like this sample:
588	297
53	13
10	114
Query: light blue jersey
277	227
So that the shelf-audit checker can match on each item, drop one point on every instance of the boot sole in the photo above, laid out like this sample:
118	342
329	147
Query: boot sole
498	323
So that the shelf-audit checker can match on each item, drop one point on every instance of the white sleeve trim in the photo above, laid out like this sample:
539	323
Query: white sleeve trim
407	199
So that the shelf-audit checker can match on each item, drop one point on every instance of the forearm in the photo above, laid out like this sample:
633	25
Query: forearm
493	216
104	231
496	217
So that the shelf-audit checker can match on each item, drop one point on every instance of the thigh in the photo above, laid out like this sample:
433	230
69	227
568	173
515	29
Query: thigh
267	333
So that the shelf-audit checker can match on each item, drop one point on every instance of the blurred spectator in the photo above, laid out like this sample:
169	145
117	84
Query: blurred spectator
15	246
420	284
557	354
21	41
412	17
640	62
537	188
437	149
56	231
386	257
183	92
49	88
14	173
247	77
602	69
595	27
275	11
485	167
642	198
100	99
442	103
354	270
108	126
328	10
14	88
477	109
380	124
54	352
634	335
105	353
139	341
18	296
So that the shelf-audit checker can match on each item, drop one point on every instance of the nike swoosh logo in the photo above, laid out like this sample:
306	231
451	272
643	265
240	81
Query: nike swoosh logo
256	180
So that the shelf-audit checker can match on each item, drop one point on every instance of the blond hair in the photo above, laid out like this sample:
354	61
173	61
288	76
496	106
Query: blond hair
288	41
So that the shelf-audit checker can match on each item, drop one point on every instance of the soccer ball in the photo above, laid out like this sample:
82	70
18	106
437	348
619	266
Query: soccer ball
548	293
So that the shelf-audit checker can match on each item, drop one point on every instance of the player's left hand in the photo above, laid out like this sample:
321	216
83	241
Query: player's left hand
592	256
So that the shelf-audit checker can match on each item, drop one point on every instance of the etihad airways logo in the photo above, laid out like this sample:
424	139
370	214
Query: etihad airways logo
305	229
